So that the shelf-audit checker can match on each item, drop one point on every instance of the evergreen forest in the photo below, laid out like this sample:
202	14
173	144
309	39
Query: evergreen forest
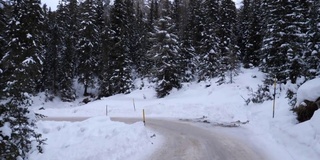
169	42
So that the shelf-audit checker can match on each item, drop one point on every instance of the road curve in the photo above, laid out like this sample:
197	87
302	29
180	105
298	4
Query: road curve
184	141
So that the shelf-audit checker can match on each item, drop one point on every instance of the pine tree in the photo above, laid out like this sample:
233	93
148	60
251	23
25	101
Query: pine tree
141	43
283	45
209	49
104	76
211	25
191	40
165	8
106	46
228	57
188	55
134	35
52	55
146	22
165	54
313	42
250	38
118	70
88	45
3	23
245	18
22	65
196	24
177	16
275	45
154	13
100	21
67	20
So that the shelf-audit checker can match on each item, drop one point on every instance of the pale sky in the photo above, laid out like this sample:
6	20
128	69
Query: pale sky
53	3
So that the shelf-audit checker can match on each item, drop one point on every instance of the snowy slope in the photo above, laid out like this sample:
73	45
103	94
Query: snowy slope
280	137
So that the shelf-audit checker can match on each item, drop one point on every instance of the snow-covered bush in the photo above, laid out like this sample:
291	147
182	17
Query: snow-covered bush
310	91
305	110
261	95
308	100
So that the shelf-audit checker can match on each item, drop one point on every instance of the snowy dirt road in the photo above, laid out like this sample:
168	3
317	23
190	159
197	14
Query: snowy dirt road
185	141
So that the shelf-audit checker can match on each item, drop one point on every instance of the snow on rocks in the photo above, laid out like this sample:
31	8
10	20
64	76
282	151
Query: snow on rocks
310	91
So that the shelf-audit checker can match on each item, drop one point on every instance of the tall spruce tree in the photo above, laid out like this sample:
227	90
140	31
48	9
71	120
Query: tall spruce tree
22	64
283	45
177	16
88	45
250	39
188	55
3	23
209	50
141	62
165	54
118	68
67	20
52	55
106	46
229	55
196	23
297	29
313	42
154	13
275	43
134	35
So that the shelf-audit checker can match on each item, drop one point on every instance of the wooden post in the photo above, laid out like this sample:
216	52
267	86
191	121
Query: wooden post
143	117
274	96
134	105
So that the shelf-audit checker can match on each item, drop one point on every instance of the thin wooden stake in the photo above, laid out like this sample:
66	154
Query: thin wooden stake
144	117
134	105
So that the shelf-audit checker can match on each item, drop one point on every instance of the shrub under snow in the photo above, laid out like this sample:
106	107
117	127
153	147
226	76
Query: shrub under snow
308	100
310	91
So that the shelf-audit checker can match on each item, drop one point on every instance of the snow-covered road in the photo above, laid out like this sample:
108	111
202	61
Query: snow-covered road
186	141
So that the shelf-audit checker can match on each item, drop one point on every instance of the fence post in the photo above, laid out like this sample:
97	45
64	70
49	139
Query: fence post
134	105
143	117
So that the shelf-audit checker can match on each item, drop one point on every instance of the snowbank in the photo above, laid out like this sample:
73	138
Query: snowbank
310	91
307	135
96	138
301	141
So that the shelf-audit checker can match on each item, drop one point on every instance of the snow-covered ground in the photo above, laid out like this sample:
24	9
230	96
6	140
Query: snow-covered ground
95	139
99	138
